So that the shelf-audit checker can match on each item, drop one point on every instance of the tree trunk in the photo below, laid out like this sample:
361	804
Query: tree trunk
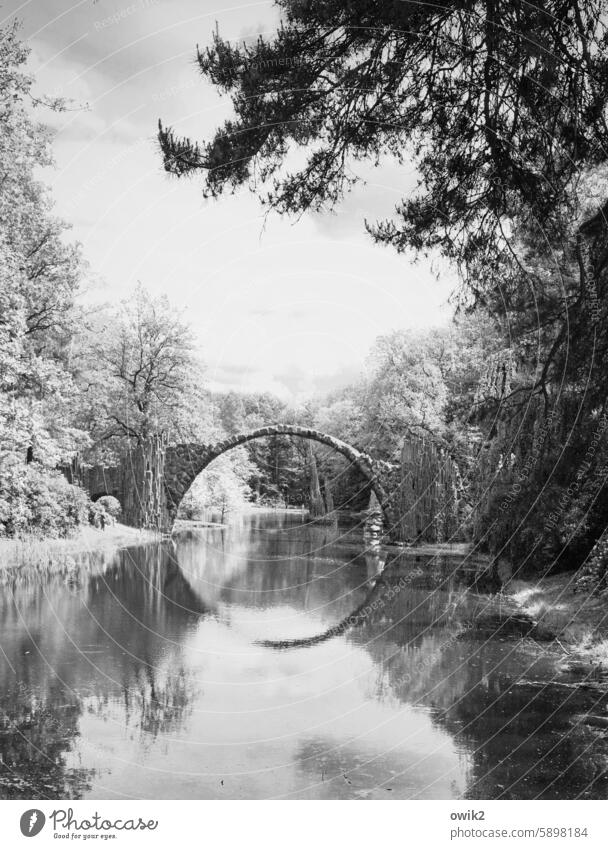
145	505
329	499
317	507
429	508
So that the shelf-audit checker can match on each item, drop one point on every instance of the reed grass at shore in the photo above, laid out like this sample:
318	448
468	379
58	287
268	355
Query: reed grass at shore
43	555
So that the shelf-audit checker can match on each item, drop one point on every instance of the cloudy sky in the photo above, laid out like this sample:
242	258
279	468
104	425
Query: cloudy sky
285	306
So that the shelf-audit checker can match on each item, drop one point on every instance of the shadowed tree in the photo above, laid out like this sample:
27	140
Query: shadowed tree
499	104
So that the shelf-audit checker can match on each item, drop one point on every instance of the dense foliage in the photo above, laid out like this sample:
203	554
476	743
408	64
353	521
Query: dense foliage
39	278
501	106
139	374
72	382
36	500
223	488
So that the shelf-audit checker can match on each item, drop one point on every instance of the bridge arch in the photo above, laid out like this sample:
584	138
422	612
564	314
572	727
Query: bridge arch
183	463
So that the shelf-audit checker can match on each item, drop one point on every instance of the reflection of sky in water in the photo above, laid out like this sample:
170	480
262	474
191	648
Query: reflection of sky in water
264	722
147	677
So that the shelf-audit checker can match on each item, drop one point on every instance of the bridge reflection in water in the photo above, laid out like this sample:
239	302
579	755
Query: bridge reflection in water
274	659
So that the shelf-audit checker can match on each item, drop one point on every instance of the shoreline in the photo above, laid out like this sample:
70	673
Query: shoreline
15	551
38	550
578	621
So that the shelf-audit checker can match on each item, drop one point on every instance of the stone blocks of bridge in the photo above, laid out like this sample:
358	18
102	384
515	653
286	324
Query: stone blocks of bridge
182	464
154	478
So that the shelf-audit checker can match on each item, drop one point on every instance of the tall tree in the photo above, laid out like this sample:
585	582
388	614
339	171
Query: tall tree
498	103
144	375
40	274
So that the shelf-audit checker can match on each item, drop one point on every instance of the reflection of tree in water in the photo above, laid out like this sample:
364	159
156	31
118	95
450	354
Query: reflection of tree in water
114	647
526	741
148	584
463	661
111	647
159	607
154	701
265	569
458	656
36	737
161	706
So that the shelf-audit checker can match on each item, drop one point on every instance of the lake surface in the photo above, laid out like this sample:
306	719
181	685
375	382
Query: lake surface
276	659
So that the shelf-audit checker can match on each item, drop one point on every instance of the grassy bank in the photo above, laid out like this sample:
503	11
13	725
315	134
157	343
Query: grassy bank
578	620
33	552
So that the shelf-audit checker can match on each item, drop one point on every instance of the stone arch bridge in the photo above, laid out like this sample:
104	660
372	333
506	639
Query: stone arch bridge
151	480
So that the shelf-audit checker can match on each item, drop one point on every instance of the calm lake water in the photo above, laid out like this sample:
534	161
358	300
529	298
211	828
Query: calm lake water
275	659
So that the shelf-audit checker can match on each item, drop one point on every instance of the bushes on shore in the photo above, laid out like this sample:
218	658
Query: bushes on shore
104	511
111	506
37	500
